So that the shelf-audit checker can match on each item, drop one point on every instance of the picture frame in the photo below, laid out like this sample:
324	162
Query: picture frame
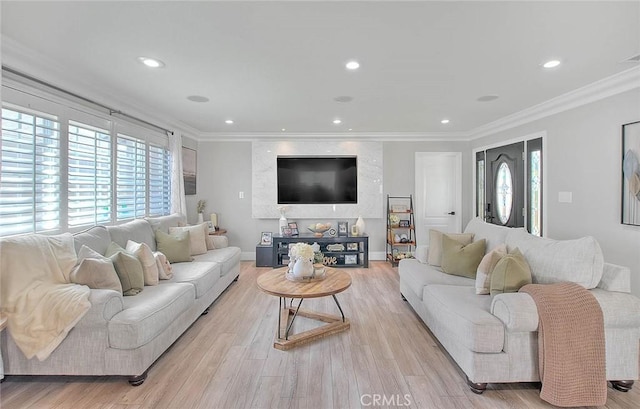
350	259
352	246
343	228
630	206
294	228
210	226
266	239
399	208
189	170
286	231
354	230
404	223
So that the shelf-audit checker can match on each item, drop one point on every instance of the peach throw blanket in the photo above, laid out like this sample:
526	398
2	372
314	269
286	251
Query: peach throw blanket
41	304
571	345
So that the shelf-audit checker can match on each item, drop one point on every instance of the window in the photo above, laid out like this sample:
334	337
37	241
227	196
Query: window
480	175
534	186
504	192
89	179
63	169
159	181
131	178
30	172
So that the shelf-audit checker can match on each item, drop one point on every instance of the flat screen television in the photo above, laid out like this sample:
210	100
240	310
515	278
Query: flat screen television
317	179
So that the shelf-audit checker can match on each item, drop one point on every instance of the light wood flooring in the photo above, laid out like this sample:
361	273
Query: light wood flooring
227	360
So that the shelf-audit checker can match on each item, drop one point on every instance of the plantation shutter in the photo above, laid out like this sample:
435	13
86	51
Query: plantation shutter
131	177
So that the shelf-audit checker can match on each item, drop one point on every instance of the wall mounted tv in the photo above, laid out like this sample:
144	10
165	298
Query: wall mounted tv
317	180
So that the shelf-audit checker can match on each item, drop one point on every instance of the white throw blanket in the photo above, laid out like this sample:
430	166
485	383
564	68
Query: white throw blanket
41	304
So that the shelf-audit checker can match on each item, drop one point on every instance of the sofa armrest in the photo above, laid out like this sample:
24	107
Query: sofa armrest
220	242
104	305
615	278
421	254
517	311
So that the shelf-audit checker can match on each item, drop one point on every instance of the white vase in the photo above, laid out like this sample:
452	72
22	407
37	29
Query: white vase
361	225
282	222
200	218
303	268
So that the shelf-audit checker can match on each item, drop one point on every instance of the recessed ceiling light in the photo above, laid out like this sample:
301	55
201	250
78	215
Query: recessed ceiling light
350	129
283	129
151	62
197	98
229	121
343	98
444	121
487	98
337	121
551	64
352	65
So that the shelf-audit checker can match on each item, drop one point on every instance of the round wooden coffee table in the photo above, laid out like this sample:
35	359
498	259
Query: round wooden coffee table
275	283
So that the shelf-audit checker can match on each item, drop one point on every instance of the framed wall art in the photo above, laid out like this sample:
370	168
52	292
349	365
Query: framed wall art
631	174
189	166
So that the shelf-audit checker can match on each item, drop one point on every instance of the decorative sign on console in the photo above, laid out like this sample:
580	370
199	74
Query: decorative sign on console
369	179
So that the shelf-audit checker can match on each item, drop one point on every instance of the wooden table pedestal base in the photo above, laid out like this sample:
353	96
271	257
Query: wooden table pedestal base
334	325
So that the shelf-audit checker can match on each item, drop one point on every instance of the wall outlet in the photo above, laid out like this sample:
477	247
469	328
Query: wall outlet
565	197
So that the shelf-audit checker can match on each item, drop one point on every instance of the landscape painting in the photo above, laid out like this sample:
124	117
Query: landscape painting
189	170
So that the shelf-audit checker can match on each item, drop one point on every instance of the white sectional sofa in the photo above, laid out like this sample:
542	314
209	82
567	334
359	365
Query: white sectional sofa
494	339
124	335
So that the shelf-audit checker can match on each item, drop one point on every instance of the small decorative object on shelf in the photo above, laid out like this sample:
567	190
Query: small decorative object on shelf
214	220
361	225
333	232
282	222
403	223
343	228
200	209
294	228
394	220
266	238
286	231
319	229
354	230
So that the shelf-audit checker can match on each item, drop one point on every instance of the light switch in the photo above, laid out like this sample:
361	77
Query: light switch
565	197
241	195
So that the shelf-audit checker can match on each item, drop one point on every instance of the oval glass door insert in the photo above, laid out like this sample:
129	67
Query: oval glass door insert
504	193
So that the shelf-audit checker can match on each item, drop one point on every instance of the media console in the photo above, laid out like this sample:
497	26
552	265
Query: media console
340	251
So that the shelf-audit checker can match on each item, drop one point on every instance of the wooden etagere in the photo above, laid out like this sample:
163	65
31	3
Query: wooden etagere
401	234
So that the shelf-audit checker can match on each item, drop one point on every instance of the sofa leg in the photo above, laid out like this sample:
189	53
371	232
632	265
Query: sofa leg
138	380
622	386
236	279
205	312
476	387
403	298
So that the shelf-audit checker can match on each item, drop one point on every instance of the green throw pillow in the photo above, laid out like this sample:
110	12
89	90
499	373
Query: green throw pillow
175	246
511	273
461	260
129	272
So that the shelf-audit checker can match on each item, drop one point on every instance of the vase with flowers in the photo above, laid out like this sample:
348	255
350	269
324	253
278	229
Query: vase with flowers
301	256
200	209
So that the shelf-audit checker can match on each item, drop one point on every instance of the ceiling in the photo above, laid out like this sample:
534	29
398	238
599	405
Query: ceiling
271	65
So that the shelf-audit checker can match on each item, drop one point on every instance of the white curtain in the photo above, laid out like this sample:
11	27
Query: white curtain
178	199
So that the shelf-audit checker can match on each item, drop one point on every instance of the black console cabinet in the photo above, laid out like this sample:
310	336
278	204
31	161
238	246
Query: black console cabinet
345	251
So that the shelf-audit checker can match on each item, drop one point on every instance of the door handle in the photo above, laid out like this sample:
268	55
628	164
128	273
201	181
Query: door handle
451	213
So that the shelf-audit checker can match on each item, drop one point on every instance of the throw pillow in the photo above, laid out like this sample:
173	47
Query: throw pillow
113	248
461	260
149	265
434	257
197	237
96	273
510	273
165	271
129	272
175	246
88	252
486	266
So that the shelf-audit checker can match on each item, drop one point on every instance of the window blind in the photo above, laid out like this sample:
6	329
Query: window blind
89	177
29	172
159	181
131	177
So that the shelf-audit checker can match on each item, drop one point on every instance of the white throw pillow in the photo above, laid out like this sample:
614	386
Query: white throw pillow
486	266
197	237
149	266
164	267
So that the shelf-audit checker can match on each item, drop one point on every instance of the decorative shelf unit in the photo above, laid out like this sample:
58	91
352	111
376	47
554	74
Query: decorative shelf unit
401	234
343	251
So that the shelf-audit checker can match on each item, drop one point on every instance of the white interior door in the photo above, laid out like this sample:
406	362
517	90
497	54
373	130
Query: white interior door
438	193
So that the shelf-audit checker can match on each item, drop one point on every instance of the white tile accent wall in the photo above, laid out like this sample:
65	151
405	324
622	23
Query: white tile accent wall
264	180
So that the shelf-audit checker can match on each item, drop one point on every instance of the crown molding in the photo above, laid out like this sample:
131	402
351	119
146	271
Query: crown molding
351	136
604	88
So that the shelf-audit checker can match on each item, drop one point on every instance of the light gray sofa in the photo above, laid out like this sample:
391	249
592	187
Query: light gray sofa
125	335
494	339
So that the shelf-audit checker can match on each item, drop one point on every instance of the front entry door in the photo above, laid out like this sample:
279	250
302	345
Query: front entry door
438	190
505	185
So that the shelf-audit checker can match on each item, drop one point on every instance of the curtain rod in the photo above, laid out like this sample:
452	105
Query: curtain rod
112	111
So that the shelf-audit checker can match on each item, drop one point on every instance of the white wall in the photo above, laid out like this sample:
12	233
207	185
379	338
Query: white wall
224	169
584	151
